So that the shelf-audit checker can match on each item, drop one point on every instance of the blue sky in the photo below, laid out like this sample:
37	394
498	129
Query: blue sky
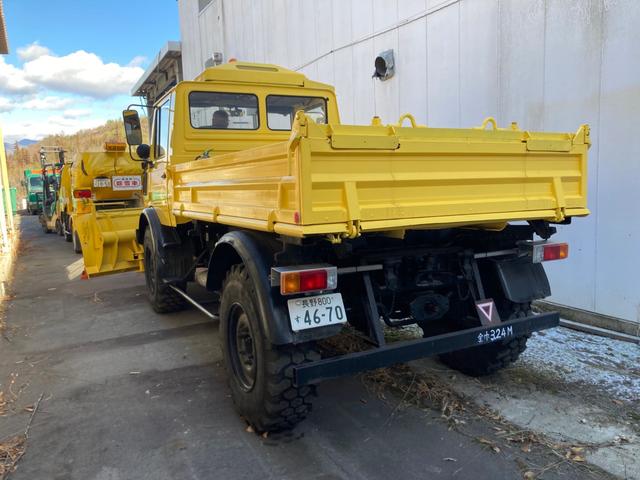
72	62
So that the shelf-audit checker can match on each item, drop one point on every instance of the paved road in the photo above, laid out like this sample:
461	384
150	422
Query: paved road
129	394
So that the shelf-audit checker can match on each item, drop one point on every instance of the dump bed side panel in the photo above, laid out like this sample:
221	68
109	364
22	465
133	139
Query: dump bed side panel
254	188
433	178
337	179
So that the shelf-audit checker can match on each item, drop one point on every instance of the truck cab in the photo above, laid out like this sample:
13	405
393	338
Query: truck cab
33	185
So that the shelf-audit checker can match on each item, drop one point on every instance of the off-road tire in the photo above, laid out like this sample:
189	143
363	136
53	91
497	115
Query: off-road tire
269	401
77	246
161	297
488	359
68	236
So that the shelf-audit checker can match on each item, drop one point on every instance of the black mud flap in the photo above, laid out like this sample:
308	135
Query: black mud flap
522	281
400	352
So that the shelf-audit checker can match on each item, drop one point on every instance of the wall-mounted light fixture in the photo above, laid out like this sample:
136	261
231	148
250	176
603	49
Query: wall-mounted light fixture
384	65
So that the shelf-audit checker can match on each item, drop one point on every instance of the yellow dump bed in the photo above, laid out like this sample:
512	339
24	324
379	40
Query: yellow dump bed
343	180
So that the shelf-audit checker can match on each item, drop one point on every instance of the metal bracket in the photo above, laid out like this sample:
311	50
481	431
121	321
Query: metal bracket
371	310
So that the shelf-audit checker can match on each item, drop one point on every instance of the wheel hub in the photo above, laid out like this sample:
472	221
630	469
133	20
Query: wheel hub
242	348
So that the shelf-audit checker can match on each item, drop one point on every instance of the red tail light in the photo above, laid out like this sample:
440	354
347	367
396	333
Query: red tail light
84	193
544	252
555	251
304	280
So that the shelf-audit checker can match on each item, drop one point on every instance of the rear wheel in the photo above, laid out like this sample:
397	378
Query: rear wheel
260	374
67	230
77	246
488	359
162	298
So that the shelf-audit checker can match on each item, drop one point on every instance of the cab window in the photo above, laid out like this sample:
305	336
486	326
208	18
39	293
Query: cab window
35	183
223	111
162	122
281	110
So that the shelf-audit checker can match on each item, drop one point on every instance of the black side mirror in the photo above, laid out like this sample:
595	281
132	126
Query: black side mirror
144	151
132	127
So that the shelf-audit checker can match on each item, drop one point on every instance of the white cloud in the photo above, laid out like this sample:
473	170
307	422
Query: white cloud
32	51
81	73
6	105
48	126
76	112
13	80
34	102
137	61
48	102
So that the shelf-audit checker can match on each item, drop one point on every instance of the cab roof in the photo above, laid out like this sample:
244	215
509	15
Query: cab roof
258	73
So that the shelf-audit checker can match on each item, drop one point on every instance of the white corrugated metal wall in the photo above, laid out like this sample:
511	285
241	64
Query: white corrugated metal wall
547	64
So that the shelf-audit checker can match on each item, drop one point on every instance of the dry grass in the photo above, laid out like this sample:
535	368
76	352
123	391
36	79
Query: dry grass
11	451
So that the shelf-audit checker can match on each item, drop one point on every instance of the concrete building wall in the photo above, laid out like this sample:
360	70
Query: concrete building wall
547	64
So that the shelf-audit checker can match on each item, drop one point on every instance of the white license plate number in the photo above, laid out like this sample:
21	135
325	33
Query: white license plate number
127	182
101	182
317	311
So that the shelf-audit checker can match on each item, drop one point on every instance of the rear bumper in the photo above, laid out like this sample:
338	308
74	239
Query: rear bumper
400	352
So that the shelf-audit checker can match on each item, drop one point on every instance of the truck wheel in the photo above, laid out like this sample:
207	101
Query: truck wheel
488	359
67	233
162	298
260	374
77	246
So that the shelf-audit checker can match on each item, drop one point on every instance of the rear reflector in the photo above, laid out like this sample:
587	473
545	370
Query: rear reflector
545	252
301	280
84	193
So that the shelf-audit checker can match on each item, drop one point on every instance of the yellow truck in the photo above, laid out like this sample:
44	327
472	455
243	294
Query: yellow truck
299	224
107	203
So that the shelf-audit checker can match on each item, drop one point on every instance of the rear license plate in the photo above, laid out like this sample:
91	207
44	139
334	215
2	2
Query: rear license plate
127	182
317	311
101	182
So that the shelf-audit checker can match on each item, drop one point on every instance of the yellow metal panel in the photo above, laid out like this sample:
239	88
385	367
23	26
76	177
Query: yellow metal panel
108	240
387	178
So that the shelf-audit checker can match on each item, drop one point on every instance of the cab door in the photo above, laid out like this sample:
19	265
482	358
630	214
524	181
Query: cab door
157	181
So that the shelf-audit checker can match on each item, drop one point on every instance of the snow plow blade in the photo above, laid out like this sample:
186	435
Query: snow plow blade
108	239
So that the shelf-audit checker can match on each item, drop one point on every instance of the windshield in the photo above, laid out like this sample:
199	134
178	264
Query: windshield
35	183
281	110
223	111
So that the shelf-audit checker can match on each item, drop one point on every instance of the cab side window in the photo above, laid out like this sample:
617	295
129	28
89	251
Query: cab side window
162	123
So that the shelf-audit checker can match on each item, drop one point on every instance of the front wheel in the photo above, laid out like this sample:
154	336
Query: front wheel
260	374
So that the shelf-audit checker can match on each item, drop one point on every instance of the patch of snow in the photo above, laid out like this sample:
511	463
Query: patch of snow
611	365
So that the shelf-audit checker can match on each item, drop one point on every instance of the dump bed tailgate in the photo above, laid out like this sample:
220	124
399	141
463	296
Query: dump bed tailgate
345	180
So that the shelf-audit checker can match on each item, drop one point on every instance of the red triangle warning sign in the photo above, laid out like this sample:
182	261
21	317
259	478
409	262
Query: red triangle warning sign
487	312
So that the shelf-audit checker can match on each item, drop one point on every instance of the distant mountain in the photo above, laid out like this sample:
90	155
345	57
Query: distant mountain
25	142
